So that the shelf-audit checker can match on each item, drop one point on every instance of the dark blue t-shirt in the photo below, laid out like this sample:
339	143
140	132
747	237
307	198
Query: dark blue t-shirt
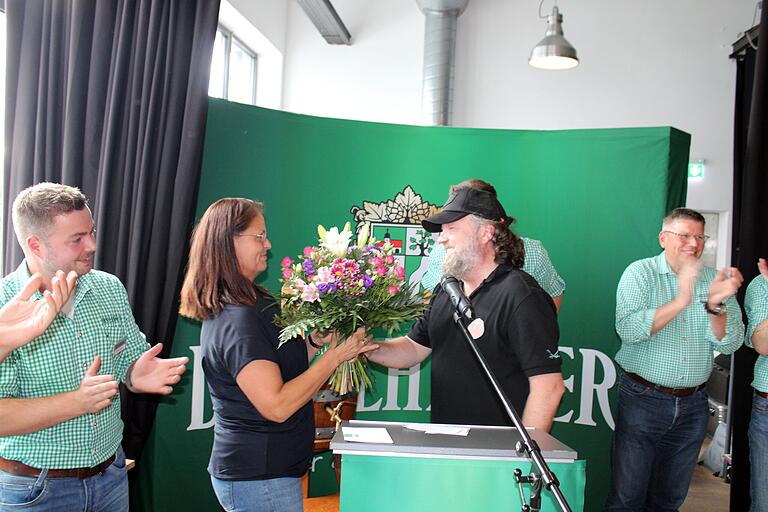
247	446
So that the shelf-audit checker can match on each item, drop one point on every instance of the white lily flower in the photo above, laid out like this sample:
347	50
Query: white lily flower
337	242
321	232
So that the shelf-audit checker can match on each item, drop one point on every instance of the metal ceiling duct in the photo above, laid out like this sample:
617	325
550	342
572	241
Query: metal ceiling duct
441	17
326	20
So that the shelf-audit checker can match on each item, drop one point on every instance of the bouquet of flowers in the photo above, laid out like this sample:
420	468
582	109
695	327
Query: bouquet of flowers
338	287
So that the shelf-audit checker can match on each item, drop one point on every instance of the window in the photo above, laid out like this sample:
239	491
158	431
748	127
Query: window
233	69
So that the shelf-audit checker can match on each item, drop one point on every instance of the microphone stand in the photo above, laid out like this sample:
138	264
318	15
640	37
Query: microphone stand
528	446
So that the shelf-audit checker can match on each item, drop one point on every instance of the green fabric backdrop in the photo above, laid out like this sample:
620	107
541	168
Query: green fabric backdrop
595	198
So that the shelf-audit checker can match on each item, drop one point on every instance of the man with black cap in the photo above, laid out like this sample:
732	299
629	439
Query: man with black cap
521	332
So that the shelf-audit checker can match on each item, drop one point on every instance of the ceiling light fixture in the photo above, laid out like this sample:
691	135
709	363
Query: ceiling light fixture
554	52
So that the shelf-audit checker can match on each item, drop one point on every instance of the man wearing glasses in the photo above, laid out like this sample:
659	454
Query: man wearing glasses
671	314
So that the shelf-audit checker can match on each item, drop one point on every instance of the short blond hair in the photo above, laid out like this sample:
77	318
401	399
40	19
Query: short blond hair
35	208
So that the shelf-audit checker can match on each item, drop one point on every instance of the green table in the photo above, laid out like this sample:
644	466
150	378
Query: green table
422	472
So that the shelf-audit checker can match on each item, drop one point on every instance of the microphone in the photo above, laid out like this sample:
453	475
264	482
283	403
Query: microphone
452	287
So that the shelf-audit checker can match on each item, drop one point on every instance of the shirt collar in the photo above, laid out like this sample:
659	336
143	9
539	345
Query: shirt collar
662	264
498	273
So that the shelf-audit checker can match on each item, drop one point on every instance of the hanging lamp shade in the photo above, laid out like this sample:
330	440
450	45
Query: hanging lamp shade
554	52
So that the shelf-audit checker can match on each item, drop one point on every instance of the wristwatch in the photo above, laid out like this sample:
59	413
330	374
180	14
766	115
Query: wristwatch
718	310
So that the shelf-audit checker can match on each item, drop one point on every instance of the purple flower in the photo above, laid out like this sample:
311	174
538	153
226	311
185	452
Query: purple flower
367	281
323	288
309	267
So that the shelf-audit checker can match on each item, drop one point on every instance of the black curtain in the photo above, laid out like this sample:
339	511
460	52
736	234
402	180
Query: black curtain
750	235
111	96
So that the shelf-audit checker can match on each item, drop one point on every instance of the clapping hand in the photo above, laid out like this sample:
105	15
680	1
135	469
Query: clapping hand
22	320
150	374
726	284
96	391
762	265
687	278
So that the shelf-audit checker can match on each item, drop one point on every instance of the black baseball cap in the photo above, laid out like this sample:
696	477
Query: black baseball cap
464	202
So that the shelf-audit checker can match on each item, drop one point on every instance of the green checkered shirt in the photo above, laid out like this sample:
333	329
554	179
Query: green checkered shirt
537	264
680	354
756	306
101	323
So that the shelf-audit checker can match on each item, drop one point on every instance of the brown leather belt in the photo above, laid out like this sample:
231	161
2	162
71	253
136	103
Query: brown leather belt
664	389
761	393
20	469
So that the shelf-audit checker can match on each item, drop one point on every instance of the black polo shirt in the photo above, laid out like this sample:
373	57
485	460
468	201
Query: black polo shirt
520	341
246	445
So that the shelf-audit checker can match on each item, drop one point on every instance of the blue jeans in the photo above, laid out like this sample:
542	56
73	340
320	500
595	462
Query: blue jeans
107	492
758	453
272	495
655	447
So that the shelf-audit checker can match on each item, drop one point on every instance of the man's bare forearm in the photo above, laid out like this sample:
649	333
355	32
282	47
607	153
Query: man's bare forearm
543	400
399	352
27	415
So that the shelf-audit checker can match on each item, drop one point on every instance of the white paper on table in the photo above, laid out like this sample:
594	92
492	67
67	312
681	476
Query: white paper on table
366	435
448	430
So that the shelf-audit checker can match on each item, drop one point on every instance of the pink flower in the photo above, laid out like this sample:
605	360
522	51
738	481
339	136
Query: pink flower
393	289
323	275
400	273
381	270
376	262
308	251
309	293
389	259
287	262
287	273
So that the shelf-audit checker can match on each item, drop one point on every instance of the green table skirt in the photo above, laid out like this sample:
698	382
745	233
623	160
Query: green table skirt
386	484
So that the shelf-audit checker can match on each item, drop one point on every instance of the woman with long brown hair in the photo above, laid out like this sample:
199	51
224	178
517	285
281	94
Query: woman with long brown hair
261	394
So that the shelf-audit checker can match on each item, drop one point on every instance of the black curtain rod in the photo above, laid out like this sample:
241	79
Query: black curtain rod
740	46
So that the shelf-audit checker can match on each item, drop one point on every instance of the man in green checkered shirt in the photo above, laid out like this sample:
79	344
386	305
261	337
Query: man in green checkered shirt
756	306
61	431
536	262
671	314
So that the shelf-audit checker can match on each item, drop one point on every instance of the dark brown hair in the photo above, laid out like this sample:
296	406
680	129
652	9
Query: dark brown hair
213	276
509	247
35	208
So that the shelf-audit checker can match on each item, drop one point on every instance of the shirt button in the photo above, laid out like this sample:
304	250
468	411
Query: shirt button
93	424
85	365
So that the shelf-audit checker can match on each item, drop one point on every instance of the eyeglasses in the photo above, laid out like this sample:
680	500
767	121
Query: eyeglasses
260	236
687	236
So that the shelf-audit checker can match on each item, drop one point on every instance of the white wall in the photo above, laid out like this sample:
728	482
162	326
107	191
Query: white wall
270	17
643	63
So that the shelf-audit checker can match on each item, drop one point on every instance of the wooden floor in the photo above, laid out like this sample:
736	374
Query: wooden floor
322	504
707	493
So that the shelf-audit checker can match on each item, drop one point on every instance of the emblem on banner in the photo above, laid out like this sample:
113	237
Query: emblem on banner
398	221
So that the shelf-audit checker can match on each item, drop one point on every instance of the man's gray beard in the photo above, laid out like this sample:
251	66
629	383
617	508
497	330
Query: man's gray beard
458	262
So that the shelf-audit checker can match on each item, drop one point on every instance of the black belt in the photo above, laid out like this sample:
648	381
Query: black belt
664	389
14	467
